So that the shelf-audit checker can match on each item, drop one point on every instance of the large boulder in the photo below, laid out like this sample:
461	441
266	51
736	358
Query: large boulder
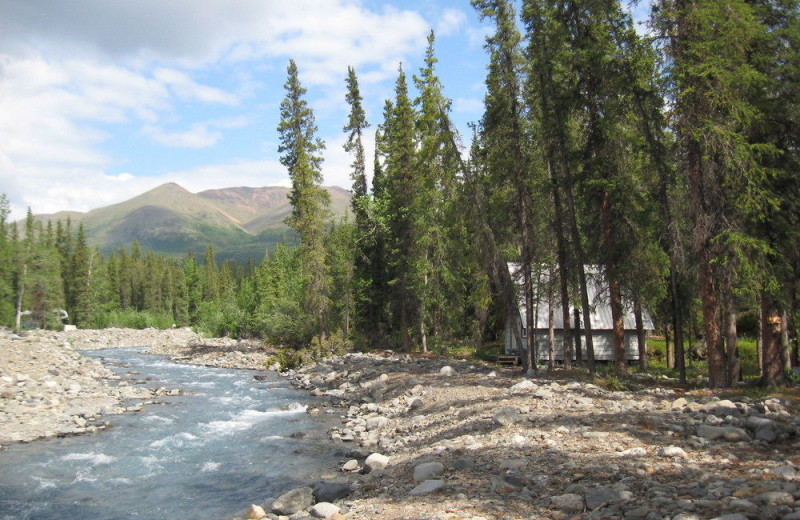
331	491
293	501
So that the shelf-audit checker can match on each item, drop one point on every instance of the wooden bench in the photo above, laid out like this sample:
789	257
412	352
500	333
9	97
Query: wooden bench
508	360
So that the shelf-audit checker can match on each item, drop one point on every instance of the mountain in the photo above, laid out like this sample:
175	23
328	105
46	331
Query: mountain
241	223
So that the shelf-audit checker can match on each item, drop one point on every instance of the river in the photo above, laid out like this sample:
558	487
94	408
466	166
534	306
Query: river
229	441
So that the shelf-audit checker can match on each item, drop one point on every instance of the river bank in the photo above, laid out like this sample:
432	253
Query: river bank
462	440
47	389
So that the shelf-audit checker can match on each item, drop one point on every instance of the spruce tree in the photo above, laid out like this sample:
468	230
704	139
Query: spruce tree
401	184
301	154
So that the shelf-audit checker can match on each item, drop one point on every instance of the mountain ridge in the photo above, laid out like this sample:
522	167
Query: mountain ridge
241	222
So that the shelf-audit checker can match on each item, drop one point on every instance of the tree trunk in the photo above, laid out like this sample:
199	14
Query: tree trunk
669	351
577	333
771	329
732	344
614	289
529	362
551	329
640	335
563	267
532	332
20	296
422	312
679	358
405	344
787	353
711	329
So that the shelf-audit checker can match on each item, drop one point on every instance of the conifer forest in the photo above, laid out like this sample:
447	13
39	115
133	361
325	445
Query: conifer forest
665	153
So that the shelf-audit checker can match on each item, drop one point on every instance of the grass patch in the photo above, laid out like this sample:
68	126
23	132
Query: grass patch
657	361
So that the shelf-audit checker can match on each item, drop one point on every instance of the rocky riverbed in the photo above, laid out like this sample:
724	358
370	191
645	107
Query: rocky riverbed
47	389
432	439
470	441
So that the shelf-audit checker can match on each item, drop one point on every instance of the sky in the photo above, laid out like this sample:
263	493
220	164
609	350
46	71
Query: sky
101	100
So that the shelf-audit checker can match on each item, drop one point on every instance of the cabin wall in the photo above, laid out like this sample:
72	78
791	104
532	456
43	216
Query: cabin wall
603	344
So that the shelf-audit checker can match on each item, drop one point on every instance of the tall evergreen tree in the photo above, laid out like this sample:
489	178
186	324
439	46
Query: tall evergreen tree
710	51
301	154
401	184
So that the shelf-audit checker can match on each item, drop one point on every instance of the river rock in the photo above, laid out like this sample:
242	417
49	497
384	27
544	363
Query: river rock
331	491
427	471
375	462
568	502
324	510
291	502
350	465
507	416
376	423
255	512
505	484
447	370
728	433
523	386
600	496
776	498
428	487
672	451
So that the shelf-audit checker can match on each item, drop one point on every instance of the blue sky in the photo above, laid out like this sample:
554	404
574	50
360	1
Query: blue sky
101	100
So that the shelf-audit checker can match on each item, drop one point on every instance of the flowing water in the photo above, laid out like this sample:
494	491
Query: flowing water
226	443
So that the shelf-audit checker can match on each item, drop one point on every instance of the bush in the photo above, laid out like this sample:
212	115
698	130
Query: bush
132	319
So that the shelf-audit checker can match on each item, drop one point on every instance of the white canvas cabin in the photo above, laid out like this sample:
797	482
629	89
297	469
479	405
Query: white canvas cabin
602	324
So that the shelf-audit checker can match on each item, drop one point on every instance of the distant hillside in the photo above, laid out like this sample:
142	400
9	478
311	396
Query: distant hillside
241	223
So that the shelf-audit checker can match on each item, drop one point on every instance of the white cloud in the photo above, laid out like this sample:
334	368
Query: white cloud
451	21
74	73
199	136
185	88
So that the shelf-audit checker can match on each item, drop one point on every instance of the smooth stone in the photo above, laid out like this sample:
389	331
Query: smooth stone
741	504
787	472
447	370
350	465
513	463
427	471
375	462
522	386
728	433
255	512
600	496
428	487
507	416
464	463
324	510
633	452
672	451
505	484
331	491
568	502
776	498
679	403
376	423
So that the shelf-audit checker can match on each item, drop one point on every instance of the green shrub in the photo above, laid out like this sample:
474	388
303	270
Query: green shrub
132	319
